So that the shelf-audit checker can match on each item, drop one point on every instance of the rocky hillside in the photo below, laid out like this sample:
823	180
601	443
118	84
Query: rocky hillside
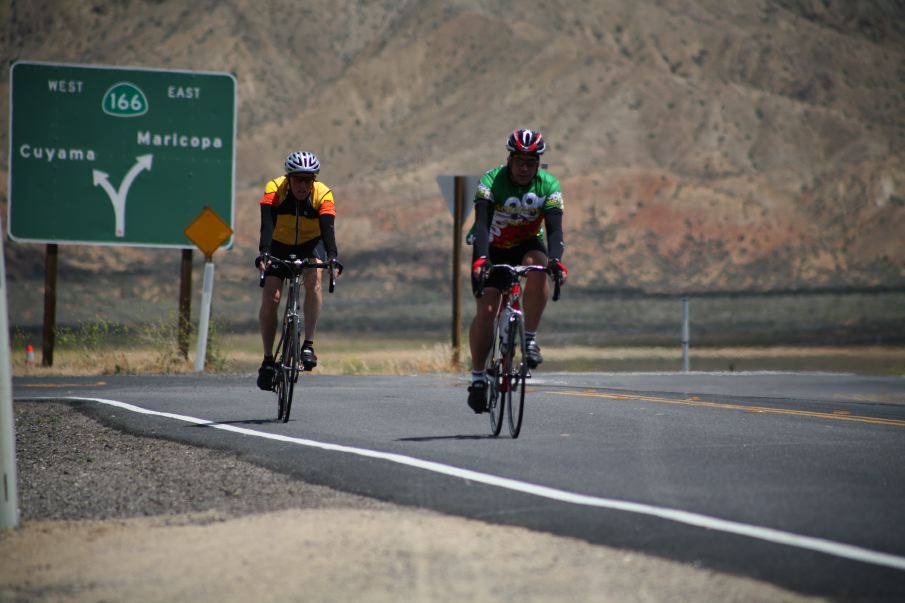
701	144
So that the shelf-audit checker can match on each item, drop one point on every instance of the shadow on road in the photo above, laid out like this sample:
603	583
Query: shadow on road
245	422
446	437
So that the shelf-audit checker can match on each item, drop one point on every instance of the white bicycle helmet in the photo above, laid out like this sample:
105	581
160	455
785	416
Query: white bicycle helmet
302	162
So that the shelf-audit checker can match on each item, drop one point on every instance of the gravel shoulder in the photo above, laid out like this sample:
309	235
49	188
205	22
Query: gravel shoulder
108	516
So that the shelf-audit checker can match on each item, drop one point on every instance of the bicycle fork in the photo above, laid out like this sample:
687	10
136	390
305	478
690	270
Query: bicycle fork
292	319
510	317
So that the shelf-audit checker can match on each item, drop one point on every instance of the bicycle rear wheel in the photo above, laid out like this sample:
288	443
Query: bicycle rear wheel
516	375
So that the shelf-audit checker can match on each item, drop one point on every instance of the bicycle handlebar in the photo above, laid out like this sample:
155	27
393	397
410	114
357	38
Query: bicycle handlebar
519	271
296	265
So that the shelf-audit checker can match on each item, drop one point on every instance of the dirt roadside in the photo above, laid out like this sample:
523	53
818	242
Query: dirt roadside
108	516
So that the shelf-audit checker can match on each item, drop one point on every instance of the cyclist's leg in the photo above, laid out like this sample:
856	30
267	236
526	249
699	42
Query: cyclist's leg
480	339
537	290
313	301
267	315
480	336
534	300
311	278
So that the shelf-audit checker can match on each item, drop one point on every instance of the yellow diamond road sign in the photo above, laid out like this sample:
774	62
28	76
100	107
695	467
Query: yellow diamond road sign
208	231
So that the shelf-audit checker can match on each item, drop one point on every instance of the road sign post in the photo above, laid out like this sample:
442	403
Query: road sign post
458	191
184	323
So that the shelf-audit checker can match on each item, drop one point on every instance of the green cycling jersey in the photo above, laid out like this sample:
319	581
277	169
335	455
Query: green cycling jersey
518	211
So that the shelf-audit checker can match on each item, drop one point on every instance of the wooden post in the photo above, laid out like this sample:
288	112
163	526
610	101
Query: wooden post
458	206
50	304
185	303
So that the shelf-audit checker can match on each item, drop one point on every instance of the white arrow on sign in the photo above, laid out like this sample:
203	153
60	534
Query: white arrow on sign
118	197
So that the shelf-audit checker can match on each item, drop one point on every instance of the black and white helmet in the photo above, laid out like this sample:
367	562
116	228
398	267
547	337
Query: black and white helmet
526	141
302	162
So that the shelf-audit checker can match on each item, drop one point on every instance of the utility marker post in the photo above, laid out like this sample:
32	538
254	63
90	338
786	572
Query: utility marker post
208	232
685	335
207	293
9	494
458	203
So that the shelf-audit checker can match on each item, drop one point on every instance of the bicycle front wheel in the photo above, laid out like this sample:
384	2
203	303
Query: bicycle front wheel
516	374
288	369
495	399
282	390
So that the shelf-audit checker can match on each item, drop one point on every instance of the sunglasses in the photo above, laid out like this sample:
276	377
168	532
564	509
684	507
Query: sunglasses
303	178
528	162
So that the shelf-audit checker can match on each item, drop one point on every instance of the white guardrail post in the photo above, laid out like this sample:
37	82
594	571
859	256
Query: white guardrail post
685	335
207	292
9	496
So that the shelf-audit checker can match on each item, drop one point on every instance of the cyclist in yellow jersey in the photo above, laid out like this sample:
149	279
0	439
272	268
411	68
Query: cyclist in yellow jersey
297	217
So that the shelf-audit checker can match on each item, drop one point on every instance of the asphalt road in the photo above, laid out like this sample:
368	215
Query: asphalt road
795	479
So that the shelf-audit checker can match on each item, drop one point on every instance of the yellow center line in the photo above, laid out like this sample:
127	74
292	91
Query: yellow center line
694	401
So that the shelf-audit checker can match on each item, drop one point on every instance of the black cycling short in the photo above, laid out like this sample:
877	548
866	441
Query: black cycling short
311	249
508	255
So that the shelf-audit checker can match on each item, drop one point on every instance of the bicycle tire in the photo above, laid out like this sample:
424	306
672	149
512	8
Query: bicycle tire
495	399
282	384
280	381
289	367
517	374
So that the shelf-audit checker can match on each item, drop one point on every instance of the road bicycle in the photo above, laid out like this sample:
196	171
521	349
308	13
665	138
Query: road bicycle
506	365
289	349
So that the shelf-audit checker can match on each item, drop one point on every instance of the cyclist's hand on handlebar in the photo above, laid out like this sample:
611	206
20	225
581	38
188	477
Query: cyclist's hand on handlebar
337	265
262	262
558	269
480	267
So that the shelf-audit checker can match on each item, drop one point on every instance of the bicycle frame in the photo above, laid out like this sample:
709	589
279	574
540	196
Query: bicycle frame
508	313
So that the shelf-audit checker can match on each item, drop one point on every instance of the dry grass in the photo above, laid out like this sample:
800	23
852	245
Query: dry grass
865	352
375	355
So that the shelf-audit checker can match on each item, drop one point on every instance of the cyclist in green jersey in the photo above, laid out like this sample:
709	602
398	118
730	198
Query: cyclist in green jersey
516	204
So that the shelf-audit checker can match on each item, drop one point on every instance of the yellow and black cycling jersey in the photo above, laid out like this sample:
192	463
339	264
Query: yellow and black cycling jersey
294	221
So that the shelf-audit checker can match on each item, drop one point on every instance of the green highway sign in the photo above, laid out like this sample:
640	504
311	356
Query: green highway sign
118	156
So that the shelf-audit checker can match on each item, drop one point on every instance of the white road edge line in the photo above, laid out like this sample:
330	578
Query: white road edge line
820	545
